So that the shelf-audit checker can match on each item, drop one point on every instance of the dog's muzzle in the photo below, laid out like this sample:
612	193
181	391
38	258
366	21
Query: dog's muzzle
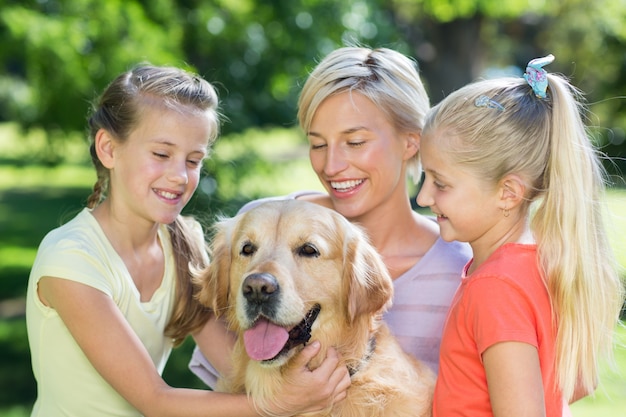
265	340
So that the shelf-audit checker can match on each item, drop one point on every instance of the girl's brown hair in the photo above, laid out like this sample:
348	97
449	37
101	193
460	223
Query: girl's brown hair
118	111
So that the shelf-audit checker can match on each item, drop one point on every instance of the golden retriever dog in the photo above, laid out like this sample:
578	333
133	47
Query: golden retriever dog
288	271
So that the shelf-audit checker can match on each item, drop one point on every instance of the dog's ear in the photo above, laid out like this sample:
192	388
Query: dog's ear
366	279
215	280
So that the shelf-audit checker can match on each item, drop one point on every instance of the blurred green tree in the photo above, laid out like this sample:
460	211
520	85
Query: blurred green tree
458	41
260	51
57	53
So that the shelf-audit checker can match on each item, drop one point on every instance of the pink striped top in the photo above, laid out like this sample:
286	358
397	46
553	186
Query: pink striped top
422	296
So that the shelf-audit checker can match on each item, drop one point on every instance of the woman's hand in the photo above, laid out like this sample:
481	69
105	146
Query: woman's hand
304	390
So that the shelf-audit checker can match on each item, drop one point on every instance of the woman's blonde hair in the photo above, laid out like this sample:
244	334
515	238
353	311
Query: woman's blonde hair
118	111
386	77
545	142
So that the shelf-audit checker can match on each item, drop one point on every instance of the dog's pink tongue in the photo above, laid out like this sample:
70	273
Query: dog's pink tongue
264	340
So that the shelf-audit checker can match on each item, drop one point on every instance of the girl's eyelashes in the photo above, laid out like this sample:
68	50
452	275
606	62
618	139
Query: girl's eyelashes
193	163
434	180
439	185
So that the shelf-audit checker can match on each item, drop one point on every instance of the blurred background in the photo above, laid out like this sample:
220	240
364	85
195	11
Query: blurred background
56	55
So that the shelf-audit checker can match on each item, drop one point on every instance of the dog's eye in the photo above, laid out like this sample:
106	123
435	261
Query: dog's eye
309	250
248	249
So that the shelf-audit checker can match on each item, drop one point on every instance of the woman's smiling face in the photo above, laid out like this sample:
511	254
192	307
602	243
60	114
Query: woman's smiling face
357	153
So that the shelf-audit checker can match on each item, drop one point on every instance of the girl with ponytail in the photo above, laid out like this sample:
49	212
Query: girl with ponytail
510	169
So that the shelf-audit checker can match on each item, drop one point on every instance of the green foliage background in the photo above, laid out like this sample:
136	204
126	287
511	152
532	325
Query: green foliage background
57	54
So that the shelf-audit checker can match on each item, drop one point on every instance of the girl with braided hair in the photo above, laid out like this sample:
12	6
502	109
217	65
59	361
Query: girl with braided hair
111	291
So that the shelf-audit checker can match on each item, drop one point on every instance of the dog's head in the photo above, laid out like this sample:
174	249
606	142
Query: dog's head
288	269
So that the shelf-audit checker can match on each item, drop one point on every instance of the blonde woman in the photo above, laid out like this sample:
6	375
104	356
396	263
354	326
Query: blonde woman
362	111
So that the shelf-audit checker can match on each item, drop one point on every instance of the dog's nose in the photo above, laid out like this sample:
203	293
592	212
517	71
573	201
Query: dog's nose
260	288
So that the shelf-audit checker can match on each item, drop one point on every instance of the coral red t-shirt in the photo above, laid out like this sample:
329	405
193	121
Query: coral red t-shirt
505	299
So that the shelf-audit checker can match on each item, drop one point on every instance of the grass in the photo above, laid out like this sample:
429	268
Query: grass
35	199
609	400
616	204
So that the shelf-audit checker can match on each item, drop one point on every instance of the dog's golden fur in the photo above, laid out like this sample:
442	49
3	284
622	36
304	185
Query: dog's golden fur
314	256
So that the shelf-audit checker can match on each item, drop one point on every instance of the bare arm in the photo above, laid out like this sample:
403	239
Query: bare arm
113	348
514	380
216	344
